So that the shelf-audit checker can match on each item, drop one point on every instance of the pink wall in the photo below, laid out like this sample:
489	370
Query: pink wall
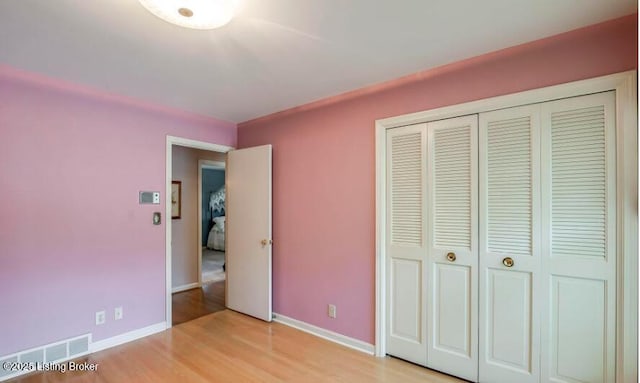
73	238
324	163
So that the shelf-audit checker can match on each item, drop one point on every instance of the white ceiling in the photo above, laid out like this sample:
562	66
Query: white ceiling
276	54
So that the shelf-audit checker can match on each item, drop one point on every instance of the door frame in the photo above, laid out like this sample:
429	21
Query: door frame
203	164
625	85
189	143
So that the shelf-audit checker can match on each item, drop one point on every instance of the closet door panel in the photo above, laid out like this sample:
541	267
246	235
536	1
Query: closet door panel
451	301
509	245
577	330
406	297
509	320
452	243
579	257
405	238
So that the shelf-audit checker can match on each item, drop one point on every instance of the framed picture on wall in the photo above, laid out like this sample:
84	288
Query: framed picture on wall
176	199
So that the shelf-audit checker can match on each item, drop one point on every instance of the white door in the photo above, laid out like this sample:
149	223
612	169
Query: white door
579	254
509	245
405	239
248	229
452	194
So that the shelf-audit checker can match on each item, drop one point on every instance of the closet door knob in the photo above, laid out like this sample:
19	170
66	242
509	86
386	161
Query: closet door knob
451	257
266	242
508	262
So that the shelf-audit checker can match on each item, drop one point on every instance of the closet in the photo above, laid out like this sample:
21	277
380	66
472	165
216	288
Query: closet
500	242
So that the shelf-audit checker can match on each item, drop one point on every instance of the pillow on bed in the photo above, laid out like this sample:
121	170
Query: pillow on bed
218	223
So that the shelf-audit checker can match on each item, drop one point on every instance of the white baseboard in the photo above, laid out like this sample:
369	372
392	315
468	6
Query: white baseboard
127	337
186	287
325	334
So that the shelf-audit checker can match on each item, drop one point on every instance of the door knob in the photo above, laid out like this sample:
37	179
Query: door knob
508	262
266	242
451	257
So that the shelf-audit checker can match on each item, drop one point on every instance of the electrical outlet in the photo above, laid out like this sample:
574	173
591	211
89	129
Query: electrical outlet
331	311
118	313
100	317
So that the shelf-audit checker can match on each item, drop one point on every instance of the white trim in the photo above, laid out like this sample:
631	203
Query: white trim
215	165
186	287
325	334
126	337
179	141
627	213
381	177
203	164
625	86
195	144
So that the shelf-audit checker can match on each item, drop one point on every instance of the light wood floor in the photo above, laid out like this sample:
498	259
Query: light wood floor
191	304
231	347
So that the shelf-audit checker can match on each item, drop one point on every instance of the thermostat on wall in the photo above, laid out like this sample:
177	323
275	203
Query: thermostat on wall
147	197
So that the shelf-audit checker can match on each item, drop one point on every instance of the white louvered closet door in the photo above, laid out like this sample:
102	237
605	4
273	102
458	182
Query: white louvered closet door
579	254
452	195
406	243
509	245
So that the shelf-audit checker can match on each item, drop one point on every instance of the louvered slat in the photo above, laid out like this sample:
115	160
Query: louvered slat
452	207
406	189
578	186
509	186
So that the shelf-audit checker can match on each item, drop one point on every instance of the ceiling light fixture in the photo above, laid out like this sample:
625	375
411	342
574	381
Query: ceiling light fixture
196	14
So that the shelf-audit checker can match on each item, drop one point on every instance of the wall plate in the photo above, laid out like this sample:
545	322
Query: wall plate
149	198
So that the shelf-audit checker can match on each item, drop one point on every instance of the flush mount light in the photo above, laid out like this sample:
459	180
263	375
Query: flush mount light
196	14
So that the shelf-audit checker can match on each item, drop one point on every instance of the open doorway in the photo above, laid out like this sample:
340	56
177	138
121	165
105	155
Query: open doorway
212	220
195	282
248	241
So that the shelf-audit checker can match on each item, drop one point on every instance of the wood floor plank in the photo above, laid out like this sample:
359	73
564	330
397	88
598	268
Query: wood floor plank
230	347
195	303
